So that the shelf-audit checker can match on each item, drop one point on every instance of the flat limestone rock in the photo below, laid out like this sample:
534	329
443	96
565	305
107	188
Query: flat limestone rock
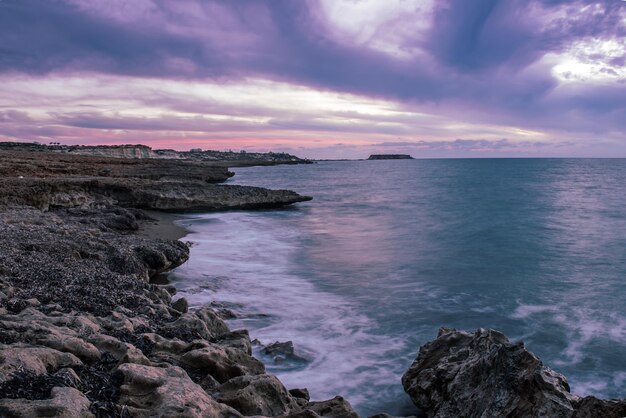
167	392
65	402
37	360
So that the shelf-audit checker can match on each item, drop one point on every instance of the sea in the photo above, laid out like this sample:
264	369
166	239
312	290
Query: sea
389	251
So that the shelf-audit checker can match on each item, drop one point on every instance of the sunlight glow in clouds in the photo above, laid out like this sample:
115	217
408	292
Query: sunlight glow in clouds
379	25
592	60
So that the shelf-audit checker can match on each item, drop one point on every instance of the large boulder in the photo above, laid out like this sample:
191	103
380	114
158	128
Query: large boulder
222	363
257	395
336	407
484	375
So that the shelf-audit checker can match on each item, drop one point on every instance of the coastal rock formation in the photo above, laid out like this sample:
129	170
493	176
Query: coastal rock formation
46	180
483	374
173	196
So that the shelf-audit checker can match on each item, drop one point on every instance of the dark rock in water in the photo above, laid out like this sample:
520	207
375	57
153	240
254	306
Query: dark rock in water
336	407
257	395
300	393
282	352
181	305
590	407
390	157
485	375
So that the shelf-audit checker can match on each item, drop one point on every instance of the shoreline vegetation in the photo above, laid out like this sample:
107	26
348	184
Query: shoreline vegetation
85	332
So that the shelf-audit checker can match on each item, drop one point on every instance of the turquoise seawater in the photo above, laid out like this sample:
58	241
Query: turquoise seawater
389	251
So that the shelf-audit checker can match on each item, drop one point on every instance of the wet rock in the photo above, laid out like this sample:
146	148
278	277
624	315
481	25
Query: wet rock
257	395
300	393
66	402
166	392
181	305
224	310
201	324
336	407
239	339
590	407
222	363
282	352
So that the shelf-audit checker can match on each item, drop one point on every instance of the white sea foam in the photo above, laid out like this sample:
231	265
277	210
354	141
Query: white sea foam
589	387
582	326
524	311
247	265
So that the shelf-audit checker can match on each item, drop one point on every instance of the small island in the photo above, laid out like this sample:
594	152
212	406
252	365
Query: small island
390	157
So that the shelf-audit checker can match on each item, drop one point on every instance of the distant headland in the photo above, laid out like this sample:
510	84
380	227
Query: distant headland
228	158
390	157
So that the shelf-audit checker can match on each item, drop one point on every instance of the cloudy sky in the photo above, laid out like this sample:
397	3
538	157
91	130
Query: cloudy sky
319	78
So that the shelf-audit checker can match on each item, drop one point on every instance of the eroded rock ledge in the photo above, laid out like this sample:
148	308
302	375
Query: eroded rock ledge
47	180
483	374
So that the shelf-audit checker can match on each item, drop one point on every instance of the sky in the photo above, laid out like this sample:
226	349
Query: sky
319	78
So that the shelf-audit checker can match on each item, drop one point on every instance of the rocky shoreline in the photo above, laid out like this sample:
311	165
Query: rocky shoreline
84	332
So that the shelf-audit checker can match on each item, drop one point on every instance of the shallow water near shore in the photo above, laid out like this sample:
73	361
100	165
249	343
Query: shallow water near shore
389	251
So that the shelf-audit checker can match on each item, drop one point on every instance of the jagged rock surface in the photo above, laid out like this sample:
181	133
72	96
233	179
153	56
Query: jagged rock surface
483	374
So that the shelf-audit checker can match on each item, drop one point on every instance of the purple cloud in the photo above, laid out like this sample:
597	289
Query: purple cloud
486	61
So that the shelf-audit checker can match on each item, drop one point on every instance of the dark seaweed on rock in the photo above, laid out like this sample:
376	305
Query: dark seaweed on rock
77	267
96	381
135	338
28	385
